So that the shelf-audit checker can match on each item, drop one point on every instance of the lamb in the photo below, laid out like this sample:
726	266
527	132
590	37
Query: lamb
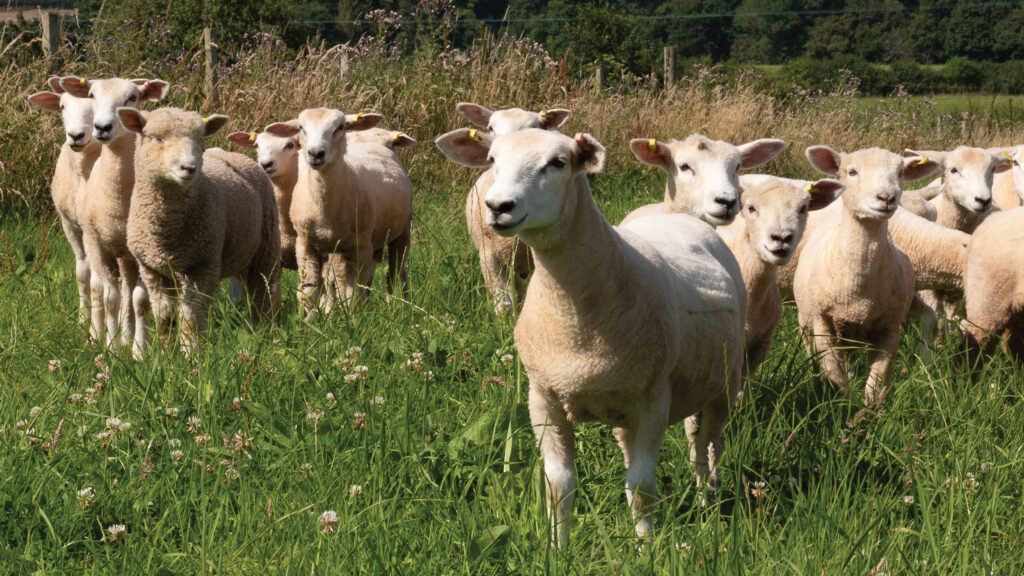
1008	187
390	139
279	158
701	174
656	337
197	217
108	194
852	282
74	164
505	262
348	203
774	216
994	284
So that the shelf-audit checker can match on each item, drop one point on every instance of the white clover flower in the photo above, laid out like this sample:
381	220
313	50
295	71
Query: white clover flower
908	500
507	359
174	443
54	365
378	400
231	473
171	411
35	412
85	497
987	467
113	424
22	424
74	398
684	548
355	490
194	424
331	401
177	455
328	522
236	401
116	532
970	483
314	415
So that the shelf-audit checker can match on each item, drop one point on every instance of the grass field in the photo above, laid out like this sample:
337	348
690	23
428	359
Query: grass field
426	456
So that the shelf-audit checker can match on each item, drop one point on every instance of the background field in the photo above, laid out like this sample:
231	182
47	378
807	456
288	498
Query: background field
438	473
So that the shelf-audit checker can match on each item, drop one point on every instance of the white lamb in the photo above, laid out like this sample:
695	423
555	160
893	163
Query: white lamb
505	262
994	284
198	217
655	337
702	175
1008	187
108	195
852	282
774	215
348	206
74	164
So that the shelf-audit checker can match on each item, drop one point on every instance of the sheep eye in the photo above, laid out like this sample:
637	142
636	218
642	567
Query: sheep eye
751	209
954	171
131	100
557	163
852	172
289	146
157	139
685	168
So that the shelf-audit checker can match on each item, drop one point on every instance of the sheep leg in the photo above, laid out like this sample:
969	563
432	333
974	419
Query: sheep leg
141	305
310	275
74	236
640	448
926	319
933	299
104	298
704	430
880	359
556	440
196	294
157	299
398	251
822	342
129	272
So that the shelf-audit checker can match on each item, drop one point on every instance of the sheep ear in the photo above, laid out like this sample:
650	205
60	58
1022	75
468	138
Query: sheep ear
469	147
402	140
917	167
760	151
213	123
283	129
243	139
46	101
358	122
588	153
936	155
132	119
824	159
651	152
152	90
54	83
1005	161
824	192
553	118
475	113
77	87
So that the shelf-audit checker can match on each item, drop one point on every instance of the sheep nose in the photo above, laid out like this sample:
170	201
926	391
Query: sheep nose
76	136
500	207
189	169
887	197
727	202
267	165
104	128
983	202
317	154
783	237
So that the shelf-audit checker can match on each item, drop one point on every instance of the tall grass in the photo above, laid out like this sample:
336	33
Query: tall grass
426	457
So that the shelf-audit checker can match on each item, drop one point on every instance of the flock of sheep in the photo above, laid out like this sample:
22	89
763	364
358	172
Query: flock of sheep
657	320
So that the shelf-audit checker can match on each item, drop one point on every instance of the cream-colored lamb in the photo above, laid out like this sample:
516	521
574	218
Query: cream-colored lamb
108	194
74	164
279	158
504	261
637	327
994	284
390	139
852	282
773	215
1008	187
197	217
964	198
348	203
702	175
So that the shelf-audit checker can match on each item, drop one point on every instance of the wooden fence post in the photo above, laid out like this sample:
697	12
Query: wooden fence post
599	79
670	66
210	44
49	22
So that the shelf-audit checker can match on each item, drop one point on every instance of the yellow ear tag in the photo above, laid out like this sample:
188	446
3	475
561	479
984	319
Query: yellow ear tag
358	116
543	114
811	188
206	121
1008	157
474	136
252	136
81	81
920	162
396	137
653	144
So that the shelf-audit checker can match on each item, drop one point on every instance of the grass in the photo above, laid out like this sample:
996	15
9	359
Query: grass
439	474
443	457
